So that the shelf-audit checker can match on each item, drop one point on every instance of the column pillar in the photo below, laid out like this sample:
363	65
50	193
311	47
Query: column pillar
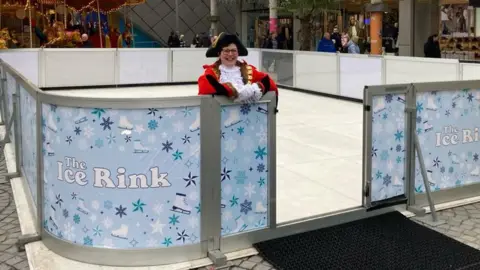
406	29
376	9
239	18
273	16
213	18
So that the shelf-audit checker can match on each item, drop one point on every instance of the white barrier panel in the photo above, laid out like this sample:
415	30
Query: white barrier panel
316	72
357	71
253	58
26	61
143	66
187	64
79	67
416	69
470	71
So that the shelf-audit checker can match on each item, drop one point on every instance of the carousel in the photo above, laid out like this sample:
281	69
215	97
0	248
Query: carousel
64	23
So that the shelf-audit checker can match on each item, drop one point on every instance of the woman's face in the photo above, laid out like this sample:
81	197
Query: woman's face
229	55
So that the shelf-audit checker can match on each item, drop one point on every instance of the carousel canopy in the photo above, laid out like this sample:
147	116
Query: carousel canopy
106	6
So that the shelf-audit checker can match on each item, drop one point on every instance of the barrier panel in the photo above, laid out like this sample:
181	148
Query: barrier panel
385	153
317	72
245	180
446	117
143	66
135	181
399	69
470	71
431	150
356	71
310	71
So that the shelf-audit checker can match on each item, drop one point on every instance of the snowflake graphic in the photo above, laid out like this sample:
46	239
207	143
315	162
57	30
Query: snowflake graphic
226	174
260	167
234	201
120	211
388	98
97	231
387	180
419	107
87	241
182	236
177	155
65	213
245	109
190	179
111	138
167	146
106	123
138	206
246	207
98	112
108	205
69	140
152	124
152	111
77	131
76	219
260	153
167	241
174	220
99	143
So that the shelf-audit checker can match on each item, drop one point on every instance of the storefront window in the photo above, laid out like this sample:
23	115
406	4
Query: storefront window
459	30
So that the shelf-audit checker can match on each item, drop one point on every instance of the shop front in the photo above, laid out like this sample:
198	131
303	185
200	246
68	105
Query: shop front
459	30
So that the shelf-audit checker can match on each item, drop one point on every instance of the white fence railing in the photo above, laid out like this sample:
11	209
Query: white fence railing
337	74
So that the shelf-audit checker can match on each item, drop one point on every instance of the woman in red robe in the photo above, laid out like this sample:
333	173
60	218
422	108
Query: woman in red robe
230	77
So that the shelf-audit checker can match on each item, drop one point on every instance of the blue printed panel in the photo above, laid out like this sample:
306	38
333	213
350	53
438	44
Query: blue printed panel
447	128
28	111
244	168
388	147
122	179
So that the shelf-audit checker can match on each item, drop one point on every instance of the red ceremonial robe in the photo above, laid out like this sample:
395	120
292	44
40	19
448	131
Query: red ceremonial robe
209	84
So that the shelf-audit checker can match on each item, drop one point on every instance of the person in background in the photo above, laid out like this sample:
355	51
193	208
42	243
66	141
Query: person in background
337	39
85	42
326	44
271	42
196	41
173	40
432	47
183	44
350	45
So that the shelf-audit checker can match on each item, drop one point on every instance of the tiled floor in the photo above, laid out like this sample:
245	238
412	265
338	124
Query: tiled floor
10	258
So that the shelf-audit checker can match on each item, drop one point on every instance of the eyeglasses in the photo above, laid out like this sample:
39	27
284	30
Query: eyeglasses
230	51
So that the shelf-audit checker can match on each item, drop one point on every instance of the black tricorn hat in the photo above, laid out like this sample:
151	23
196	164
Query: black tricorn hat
223	40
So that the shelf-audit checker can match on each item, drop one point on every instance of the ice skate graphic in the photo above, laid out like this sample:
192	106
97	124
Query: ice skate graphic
121	232
427	127
262	110
81	118
401	100
125	125
260	209
431	104
196	125
455	159
52	218
138	147
49	150
396	181
430	178
379	107
233	119
81	207
241	226
475	172
51	123
180	205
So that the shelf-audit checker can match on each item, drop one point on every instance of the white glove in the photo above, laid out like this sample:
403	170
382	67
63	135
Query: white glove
249	93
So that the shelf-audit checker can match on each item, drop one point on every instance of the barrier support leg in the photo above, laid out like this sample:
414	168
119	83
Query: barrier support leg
27	239
219	259
434	221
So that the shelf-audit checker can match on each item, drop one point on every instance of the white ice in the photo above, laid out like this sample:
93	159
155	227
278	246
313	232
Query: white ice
319	148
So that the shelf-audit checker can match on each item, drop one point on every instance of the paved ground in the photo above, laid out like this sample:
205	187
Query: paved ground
10	258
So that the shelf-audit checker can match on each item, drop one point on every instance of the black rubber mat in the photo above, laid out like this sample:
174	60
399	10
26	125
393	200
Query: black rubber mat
389	241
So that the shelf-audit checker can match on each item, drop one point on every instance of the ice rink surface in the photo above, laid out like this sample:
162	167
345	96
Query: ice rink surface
319	148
